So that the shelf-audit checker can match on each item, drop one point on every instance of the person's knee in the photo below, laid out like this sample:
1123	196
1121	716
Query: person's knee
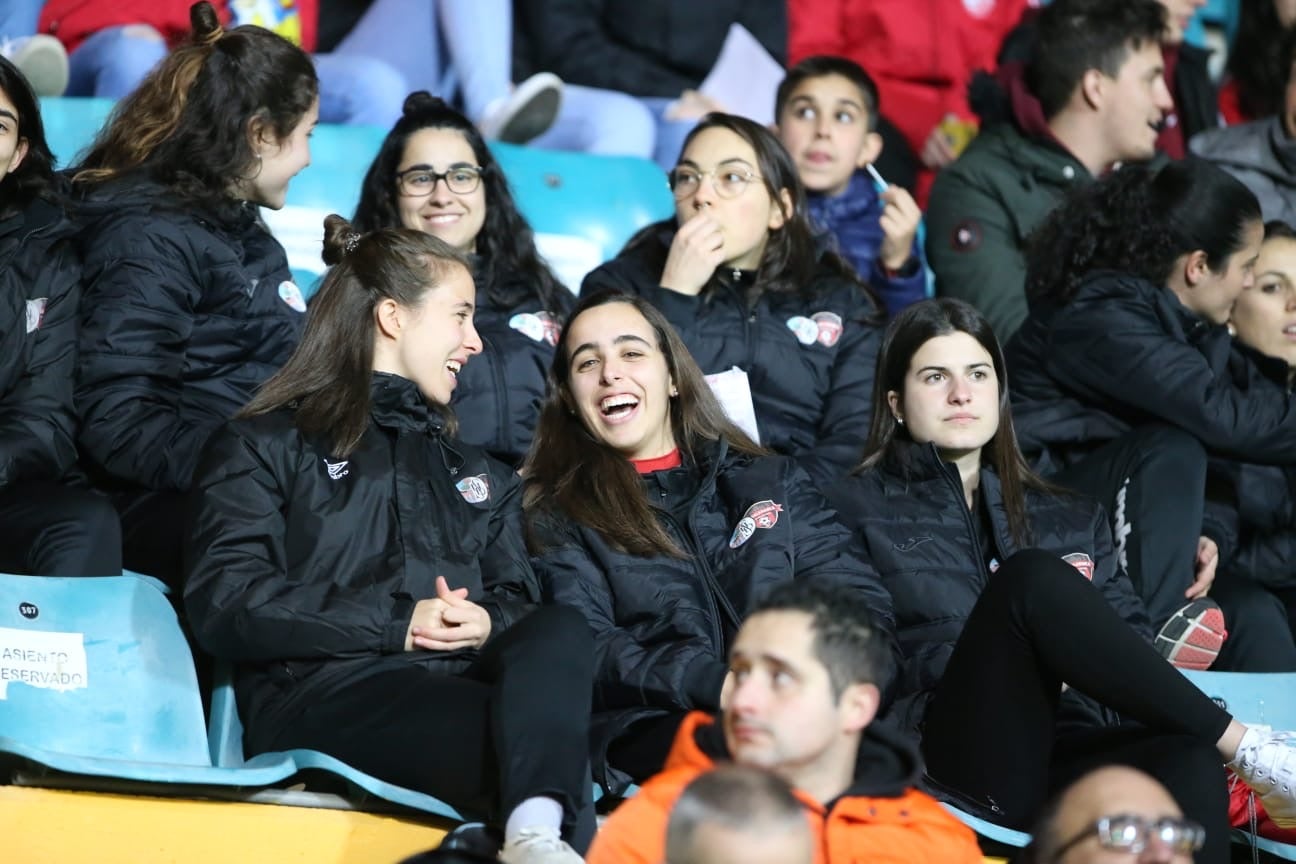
561	627
361	91
125	58
617	124
1170	446
1035	573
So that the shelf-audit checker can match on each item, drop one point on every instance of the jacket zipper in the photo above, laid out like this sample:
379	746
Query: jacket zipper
690	537
951	475
501	394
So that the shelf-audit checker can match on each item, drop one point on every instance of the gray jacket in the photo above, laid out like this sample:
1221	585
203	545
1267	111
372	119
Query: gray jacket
1260	155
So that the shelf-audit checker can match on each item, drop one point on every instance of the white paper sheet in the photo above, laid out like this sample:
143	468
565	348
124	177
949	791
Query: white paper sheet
733	390
745	77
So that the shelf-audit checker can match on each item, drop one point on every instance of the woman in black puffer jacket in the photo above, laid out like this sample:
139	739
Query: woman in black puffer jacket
434	173
1023	643
664	524
51	528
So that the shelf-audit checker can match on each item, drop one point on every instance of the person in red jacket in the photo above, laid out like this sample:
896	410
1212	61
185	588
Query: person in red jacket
799	701
921	54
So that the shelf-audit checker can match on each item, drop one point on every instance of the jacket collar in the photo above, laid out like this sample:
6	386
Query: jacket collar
886	766
1284	148
397	403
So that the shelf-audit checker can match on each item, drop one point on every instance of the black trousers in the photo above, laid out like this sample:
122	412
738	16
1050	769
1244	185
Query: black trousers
1152	483
153	534
514	726
1259	627
991	733
54	530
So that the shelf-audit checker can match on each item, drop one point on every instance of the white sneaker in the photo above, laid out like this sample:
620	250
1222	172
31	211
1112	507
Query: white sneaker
525	113
42	60
1266	761
538	846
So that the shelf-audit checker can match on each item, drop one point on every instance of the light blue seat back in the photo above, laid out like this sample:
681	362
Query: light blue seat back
1266	698
71	124
96	678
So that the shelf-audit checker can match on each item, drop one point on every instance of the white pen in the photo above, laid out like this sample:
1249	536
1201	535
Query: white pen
873	172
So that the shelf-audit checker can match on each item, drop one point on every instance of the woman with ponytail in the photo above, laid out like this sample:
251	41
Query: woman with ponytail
1122	388
188	301
367	573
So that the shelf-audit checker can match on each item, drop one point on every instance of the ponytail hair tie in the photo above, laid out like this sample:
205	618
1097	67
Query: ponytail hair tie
351	242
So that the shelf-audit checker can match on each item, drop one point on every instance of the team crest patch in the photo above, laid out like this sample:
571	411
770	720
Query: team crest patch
1081	562
474	489
540	326
762	514
805	329
829	325
36	313
291	294
337	470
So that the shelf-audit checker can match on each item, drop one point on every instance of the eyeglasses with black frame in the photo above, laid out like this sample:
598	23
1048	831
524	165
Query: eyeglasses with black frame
1126	832
421	179
729	180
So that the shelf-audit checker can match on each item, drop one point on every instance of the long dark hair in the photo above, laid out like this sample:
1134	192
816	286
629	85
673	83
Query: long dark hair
912	329
511	269
35	176
1139	221
1260	58
326	380
571	474
793	257
187	126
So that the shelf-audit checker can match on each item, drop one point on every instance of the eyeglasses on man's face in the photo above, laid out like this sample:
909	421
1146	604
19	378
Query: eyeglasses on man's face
1129	833
729	180
421	179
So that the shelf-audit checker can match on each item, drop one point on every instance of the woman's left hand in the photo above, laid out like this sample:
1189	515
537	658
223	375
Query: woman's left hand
467	625
1206	562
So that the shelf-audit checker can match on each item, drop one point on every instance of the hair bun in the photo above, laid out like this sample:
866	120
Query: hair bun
340	239
420	102
205	23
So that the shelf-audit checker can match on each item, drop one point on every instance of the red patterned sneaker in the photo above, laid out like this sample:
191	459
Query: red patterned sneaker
1192	638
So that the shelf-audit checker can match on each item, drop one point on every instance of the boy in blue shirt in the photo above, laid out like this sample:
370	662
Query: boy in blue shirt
827	111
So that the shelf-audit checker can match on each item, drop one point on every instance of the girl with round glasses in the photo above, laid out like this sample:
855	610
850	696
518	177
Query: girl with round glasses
739	274
435	174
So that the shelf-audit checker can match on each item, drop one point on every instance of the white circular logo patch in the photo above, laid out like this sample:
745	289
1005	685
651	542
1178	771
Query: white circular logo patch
291	294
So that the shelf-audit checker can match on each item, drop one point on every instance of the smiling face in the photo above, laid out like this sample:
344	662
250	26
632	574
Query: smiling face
746	219
430	343
456	218
951	395
1137	100
619	383
281	161
1264	315
825	127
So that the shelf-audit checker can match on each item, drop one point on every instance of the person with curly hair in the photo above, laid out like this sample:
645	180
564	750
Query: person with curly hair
1122	389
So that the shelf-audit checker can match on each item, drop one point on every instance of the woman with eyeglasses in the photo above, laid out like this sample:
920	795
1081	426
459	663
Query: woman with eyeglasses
739	274
1027	656
663	523
435	174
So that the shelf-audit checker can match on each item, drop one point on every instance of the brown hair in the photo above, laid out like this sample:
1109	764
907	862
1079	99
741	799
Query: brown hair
187	125
327	379
912	329
571	473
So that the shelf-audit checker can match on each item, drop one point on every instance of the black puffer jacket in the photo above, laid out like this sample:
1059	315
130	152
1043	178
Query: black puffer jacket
644	49
664	625
911	514
182	317
1124	352
40	285
810	363
304	568
1255	505
500	390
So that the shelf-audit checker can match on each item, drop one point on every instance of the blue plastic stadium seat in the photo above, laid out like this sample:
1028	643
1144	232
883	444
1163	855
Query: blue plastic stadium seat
989	830
96	679
225	735
71	124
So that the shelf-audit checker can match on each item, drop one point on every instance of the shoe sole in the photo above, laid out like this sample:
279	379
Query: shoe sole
1193	640
44	63
538	100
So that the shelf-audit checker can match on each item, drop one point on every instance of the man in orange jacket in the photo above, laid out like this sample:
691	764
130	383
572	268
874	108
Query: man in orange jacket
799	701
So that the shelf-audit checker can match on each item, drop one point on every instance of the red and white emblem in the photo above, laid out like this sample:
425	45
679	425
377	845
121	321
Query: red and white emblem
1081	562
474	489
830	327
540	326
762	514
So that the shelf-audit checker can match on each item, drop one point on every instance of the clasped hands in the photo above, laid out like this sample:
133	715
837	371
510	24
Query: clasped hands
447	622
